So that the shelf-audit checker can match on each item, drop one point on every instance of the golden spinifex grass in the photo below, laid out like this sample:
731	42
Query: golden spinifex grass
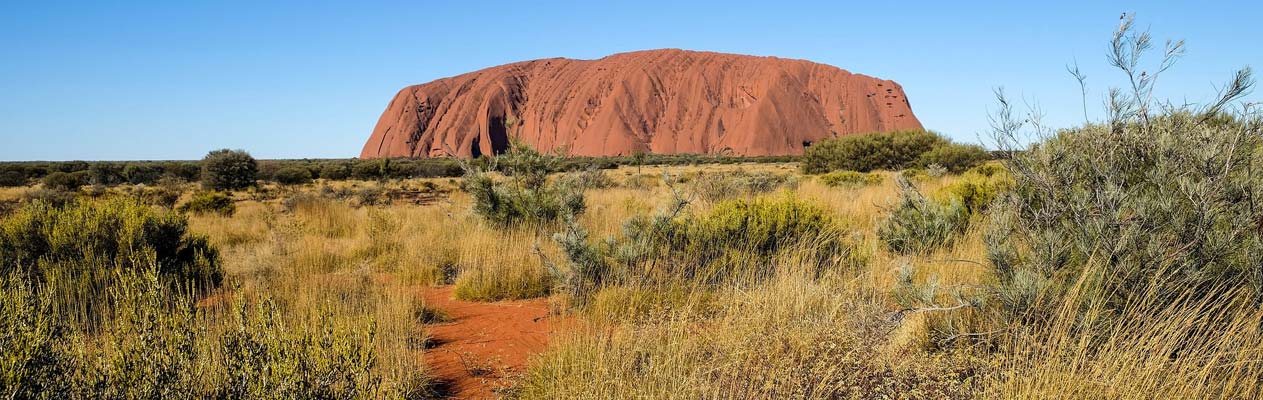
318	277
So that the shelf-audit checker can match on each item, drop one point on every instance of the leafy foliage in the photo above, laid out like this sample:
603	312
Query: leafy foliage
850	179
42	240
739	183
955	157
1151	206
209	202
867	152
66	180
292	176
229	170
735	241
526	196
920	225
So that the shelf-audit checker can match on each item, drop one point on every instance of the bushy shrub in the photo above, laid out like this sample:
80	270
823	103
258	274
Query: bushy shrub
138	173
66	180
921	225
35	358
48	196
590	178
978	188
335	171
229	170
371	195
105	174
12	179
161	196
187	171
735	242
292	175
850	179
209	202
1148	207
736	183
867	152
954	157
42	240
526	197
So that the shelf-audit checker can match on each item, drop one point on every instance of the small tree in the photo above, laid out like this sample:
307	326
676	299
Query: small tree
639	157
229	170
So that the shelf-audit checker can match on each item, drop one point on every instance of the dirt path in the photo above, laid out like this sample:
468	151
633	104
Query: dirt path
485	344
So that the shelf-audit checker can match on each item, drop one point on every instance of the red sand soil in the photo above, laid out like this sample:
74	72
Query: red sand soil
655	101
486	344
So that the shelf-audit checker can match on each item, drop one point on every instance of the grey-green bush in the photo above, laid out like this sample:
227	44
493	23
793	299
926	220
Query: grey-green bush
73	243
735	241
850	179
954	157
1150	206
209	203
525	196
229	170
292	175
66	181
921	225
872	151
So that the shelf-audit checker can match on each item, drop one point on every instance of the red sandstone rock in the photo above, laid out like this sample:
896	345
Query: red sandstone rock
656	101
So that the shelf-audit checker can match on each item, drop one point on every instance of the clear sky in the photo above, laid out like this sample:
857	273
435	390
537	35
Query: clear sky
307	79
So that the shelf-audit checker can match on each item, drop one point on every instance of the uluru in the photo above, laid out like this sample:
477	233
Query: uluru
653	101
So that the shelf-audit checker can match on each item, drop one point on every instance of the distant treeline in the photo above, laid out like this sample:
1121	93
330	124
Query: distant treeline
110	173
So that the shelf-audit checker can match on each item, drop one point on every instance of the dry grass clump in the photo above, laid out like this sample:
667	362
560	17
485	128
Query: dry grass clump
788	338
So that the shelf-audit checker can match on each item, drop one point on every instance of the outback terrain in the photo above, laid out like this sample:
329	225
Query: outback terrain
660	225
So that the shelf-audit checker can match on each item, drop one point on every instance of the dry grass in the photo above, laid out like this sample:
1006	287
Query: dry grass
331	261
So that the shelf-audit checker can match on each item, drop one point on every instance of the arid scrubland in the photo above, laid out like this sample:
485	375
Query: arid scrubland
1119	259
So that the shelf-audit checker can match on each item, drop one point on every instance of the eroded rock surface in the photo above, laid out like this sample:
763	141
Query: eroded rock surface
656	101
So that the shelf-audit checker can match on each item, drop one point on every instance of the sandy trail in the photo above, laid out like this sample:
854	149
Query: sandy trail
485	344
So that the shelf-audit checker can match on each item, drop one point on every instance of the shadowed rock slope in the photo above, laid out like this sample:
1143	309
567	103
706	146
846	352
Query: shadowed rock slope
656	101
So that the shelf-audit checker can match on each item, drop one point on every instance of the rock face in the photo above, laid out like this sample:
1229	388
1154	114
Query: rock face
655	101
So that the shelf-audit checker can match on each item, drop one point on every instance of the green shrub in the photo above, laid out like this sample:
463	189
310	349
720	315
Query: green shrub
209	203
335	171
49	196
42	240
138	173
590	178
105	174
371	169
1149	207
737	183
988	169
526	197
229	170
735	242
66	181
977	191
850	179
954	157
161	196
35	358
292	175
920	225
12	179
187	171
867	152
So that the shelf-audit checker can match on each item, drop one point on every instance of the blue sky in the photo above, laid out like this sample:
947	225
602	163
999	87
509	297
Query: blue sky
174	79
